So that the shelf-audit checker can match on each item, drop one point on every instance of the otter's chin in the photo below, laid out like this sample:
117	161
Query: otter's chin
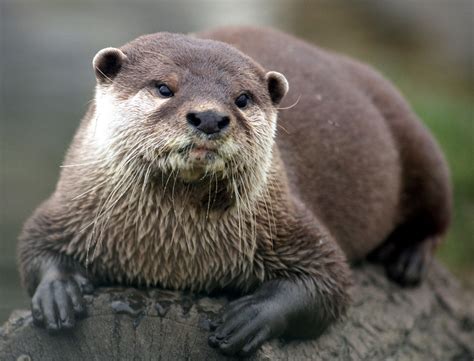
198	173
191	175
200	156
201	162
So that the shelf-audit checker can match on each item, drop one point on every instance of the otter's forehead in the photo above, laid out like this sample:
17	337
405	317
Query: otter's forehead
180	57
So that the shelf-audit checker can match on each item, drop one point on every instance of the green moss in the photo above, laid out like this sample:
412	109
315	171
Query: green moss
450	118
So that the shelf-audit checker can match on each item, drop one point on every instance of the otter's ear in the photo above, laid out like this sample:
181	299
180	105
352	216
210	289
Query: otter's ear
277	86
107	63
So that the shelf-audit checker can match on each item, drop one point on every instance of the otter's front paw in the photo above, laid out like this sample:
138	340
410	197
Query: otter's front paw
246	324
58	301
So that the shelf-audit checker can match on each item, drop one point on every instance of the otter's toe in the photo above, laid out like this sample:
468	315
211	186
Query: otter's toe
63	305
57	304
408	266
76	298
244	326
84	284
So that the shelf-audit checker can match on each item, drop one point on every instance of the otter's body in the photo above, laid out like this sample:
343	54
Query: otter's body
354	151
174	179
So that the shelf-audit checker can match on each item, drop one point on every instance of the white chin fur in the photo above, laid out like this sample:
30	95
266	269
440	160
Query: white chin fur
190	170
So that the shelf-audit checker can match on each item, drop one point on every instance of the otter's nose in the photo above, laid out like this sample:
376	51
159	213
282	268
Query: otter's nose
208	122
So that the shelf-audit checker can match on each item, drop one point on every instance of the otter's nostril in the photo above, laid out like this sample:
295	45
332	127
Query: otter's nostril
223	123
193	119
208	122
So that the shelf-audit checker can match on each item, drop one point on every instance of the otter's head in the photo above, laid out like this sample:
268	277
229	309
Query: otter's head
185	106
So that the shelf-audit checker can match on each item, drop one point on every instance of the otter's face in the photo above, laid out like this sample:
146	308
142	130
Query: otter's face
186	106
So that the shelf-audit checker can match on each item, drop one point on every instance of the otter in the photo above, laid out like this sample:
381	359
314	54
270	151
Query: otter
181	176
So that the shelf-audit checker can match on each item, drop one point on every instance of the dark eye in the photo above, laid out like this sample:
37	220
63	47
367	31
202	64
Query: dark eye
164	91
242	100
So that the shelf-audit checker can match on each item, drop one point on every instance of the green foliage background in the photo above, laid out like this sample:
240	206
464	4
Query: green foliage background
450	117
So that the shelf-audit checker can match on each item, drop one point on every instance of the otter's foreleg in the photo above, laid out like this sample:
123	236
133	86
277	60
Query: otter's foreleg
55	281
306	291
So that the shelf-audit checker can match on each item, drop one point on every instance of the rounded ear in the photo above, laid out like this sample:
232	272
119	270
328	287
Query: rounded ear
277	86
107	63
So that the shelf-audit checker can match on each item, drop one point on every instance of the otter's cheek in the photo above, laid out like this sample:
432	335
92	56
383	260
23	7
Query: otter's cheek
114	115
229	149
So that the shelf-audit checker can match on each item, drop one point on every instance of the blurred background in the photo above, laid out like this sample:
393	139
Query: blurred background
424	46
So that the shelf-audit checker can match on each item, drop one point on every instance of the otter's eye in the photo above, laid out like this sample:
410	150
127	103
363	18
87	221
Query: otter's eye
242	100
164	91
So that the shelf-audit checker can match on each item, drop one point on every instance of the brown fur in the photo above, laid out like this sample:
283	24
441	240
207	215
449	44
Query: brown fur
351	164
353	149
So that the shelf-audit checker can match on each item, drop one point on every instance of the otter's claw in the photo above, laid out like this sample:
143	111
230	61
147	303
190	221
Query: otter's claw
58	301
246	324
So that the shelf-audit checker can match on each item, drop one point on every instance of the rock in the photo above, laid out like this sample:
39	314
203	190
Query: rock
432	322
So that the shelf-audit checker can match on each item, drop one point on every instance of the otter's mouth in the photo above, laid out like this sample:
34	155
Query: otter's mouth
198	159
202	154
